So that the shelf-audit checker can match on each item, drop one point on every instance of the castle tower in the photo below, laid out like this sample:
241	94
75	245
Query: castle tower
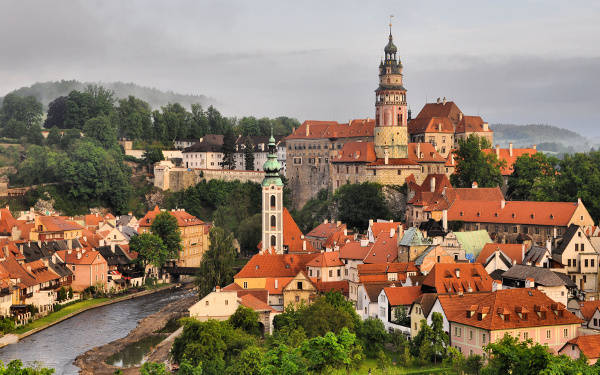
391	114
272	202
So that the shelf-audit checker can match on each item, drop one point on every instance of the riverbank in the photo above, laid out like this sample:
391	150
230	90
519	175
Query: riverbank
93	361
70	311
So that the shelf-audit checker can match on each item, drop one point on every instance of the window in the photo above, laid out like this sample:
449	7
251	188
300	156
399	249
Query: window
582	247
547	333
592	263
525	335
339	272
586	263
299	285
574	262
568	262
566	332
483	338
330	273
245	285
576	247
470	334
206	302
297	299
226	302
595	321
272	201
310	273
273	241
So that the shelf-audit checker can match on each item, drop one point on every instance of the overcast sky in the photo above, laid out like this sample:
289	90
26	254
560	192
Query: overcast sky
508	61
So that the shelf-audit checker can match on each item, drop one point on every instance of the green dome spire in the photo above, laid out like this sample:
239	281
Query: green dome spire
272	166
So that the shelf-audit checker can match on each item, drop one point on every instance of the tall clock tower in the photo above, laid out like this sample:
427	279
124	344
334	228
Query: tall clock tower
272	202
391	114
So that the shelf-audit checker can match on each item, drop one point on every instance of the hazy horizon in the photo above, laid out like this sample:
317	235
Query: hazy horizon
522	62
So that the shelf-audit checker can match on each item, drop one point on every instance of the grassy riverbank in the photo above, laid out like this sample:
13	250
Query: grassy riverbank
371	364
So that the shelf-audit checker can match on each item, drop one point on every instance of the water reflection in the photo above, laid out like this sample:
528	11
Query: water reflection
59	345
135	353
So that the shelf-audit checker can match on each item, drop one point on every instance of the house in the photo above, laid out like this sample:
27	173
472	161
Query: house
367	304
222	303
472	242
322	232
128	220
386	272
495	256
432	255
205	154
54	228
353	254
476	320
88	266
299	290
509	156
194	235
384	249
555	285
377	227
326	266
412	244
588	345
394	303
580	259
449	278
540	256
589	311
121	266
420	310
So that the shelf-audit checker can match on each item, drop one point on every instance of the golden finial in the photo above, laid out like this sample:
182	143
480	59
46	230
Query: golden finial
391	16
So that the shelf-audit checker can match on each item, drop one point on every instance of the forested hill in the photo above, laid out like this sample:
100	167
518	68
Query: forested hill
526	135
45	92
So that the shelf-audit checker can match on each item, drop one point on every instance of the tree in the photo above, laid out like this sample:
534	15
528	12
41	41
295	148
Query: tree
26	110
357	203
326	353
383	361
152	155
431	342
151	368
533	177
165	226
150	249
284	360
216	267
512	356
249	232
54	136
135	119
248	155
62	294
56	113
101	129
185	368
473	165
15	367
249	362
245	319
401	316
228	150
373	336
473	364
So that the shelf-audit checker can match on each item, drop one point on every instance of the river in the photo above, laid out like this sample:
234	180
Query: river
59	345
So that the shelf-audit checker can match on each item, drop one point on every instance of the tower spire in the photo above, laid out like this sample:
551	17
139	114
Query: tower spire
391	16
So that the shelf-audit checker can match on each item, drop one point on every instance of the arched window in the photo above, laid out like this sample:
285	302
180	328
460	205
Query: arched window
273	241
273	221
272	201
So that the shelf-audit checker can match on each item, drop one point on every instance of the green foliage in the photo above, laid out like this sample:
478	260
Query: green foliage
431	342
326	353
57	109
248	363
325	314
152	155
383	361
54	136
187	369
284	360
249	232
533	177
102	129
357	203
373	336
15	367
510	355
165	226
248	155
245	319
151	368
6	325
314	212
401	316
475	166
150	249
216	267
473	364
26	110
80	106
135	118
62	294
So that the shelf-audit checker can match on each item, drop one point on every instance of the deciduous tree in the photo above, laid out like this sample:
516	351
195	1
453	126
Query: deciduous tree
473	165
216	267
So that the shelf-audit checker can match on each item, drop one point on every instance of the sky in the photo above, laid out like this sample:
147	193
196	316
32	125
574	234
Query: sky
508	61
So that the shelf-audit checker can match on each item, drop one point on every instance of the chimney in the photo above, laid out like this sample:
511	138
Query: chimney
510	149
217	289
345	232
457	272
386	157
529	282
486	126
78	255
496	285
534	147
432	184
474	185
392	232
452	158
549	245
69	252
444	100
498	151
418	150
445	220
325	221
69	243
522	253
502	203
307	129
303	245
364	243
276	283
338	223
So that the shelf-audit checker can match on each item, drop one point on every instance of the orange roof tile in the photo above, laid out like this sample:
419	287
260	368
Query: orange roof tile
326	286
58	224
356	152
383	268
471	124
505	154
326	259
448	109
184	219
393	161
384	250
354	250
88	257
250	301
275	265
7	221
93	220
275	285
404	295
311	129
515	252
428	153
471	277
292	236
588	308
40	271
485	309
324	230
421	125
588	345
379	227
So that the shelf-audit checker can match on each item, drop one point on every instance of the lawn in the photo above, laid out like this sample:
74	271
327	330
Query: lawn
395	370
53	317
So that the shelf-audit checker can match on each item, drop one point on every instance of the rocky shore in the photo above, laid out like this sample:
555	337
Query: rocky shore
93	362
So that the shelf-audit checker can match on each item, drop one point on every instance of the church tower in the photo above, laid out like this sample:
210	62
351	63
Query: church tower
272	202
391	114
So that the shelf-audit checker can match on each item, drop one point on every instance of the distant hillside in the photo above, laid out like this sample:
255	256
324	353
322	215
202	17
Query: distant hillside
552	137
46	92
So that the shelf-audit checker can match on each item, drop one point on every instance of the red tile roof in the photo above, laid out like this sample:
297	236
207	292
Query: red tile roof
356	152
421	125
7	221
40	271
384	250
588	308
326	286
588	345
275	265
513	251
58	224
448	109
250	301
505	154
354	250
331	129
484	310
428	153
16	271
324	230
384	268
393	161
326	259
281	283
292	236
471	124
402	296
88	257
384	228
472	277
184	219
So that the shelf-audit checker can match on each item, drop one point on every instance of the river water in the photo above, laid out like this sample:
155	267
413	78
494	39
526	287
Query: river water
59	345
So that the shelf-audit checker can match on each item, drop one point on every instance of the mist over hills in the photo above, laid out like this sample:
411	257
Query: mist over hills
546	137
46	92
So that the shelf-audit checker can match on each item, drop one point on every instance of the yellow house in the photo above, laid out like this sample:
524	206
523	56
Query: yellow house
49	228
300	290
